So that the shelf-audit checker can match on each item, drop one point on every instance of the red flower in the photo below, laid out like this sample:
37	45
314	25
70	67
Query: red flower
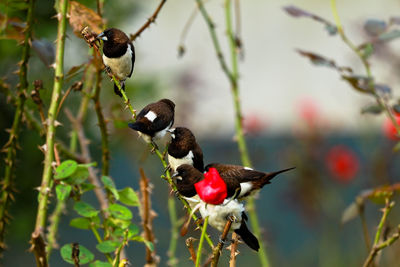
309	111
342	163
389	130
212	189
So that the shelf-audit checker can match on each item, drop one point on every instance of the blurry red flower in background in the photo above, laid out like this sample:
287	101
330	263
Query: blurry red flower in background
389	130
253	124
308	111
342	162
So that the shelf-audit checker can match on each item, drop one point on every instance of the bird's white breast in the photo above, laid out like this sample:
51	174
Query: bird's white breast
218	214
174	163
120	66
162	133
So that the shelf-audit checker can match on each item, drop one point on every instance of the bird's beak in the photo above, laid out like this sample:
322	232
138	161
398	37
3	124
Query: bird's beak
171	130
176	176
102	37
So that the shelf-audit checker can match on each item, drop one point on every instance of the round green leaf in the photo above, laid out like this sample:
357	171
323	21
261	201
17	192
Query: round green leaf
85	255
128	197
107	246
79	176
100	264
65	169
85	209
80	223
109	184
63	191
123	224
120	212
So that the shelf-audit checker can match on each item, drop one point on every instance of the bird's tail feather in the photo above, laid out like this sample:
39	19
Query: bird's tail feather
137	126
271	175
248	237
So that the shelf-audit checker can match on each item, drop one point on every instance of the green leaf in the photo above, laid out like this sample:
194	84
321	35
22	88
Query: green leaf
107	246
133	230
86	187
148	244
372	109
389	36
350	213
118	223
109	184
375	27
128	197
63	191
80	223
367	50
120	212
65	169
100	264
85	256
79	176
85	209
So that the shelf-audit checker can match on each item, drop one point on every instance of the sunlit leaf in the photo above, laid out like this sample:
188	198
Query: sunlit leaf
109	185
128	197
63	191
85	209
375	27
81	16
100	264
65	169
119	223
85	256
107	246
372	109
350	213
297	12
120	212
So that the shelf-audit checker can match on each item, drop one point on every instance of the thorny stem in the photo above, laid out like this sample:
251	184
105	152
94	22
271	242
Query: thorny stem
200	248
49	152
149	21
244	154
11	145
217	250
235	241
377	246
378	98
105	167
53	227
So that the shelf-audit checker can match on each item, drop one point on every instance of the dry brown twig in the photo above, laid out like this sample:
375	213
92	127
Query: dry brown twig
189	244
218	248
147	215
149	21
233	249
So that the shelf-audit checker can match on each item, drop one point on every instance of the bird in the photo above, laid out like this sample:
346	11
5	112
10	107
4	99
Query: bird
243	181
208	193
183	149
154	120
118	55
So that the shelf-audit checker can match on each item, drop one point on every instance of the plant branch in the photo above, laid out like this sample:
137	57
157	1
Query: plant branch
361	209
366	65
217	250
234	251
11	146
147	215
53	227
200	247
388	207
172	260
51	129
189	245
149	21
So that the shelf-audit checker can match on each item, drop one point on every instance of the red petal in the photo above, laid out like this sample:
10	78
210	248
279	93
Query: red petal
212	189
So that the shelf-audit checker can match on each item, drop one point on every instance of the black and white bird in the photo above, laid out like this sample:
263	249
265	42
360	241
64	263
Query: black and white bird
186	178
243	181
118	55
154	120
184	149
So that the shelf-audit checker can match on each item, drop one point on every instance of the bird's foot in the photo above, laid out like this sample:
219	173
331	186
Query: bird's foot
167	169
154	147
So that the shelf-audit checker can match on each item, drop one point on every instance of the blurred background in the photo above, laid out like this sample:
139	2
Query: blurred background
295	114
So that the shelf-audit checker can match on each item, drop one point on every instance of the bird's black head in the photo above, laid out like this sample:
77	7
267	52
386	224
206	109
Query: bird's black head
188	172
115	42
182	134
168	102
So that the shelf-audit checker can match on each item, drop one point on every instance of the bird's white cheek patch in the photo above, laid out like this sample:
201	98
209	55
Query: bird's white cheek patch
104	38
245	188
248	168
175	162
151	116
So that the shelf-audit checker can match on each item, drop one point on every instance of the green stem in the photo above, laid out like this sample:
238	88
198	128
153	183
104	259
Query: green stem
103	126
386	210
53	228
365	63
172	261
99	240
244	154
11	145
51	129
200	248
